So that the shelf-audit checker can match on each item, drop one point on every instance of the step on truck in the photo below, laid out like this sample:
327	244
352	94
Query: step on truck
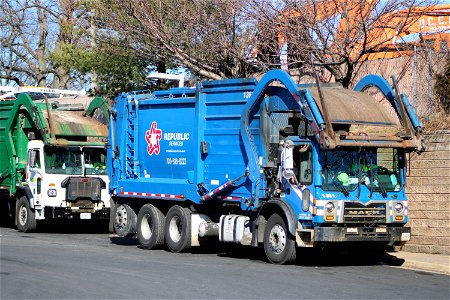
52	160
263	163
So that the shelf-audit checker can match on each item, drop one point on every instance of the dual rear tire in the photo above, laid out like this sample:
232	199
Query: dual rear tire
153	228
150	227
178	229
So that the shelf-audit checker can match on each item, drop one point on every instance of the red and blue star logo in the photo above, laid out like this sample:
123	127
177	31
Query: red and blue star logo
153	136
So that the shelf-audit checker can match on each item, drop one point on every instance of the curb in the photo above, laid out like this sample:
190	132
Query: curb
435	263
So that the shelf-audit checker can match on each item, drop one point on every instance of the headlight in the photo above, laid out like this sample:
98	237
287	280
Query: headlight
329	207
398	207
51	193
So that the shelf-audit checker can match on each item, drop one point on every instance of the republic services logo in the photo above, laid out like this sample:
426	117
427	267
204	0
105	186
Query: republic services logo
153	136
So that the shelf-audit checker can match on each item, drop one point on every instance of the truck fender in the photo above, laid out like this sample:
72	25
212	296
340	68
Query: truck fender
266	210
25	190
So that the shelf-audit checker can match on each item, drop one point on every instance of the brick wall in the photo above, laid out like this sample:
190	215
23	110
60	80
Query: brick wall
428	189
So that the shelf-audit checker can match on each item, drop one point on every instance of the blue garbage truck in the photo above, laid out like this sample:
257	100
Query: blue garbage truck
266	163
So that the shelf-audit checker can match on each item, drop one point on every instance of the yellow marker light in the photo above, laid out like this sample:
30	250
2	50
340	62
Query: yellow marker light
329	218
398	218
52	184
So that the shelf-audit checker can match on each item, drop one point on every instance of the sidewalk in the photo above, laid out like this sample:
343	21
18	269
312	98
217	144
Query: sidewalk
437	263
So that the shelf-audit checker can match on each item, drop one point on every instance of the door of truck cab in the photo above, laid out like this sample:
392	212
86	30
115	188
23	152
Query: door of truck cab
34	172
304	170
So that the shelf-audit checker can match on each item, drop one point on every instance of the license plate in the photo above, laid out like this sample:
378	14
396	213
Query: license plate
406	236
85	216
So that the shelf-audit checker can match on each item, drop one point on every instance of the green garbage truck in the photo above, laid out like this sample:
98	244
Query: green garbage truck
52	161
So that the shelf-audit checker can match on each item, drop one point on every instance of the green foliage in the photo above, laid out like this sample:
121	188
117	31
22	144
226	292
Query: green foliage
70	57
116	70
442	87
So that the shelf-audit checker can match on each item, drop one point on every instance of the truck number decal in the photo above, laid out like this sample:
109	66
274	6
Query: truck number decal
153	136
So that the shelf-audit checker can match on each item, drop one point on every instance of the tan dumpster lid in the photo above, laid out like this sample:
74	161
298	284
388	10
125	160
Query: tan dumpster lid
74	123
351	107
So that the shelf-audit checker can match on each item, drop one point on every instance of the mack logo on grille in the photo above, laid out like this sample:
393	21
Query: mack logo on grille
365	212
355	212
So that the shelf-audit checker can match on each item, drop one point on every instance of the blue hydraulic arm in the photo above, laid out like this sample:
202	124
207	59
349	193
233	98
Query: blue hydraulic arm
400	103
381	83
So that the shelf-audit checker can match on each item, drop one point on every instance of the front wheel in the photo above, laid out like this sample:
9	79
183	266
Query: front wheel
25	217
278	245
150	227
178	229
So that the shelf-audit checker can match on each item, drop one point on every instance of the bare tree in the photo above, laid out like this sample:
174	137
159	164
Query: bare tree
24	42
30	31
335	34
72	27
214	39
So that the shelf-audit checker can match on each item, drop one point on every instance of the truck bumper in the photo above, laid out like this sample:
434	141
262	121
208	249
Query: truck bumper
68	213
362	234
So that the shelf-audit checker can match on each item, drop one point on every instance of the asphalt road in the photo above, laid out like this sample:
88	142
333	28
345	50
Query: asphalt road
78	265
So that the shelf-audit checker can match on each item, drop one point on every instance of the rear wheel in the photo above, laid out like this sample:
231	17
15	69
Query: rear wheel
25	217
278	245
150	227
178	229
125	220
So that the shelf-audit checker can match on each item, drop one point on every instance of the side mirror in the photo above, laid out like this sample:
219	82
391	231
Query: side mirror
32	159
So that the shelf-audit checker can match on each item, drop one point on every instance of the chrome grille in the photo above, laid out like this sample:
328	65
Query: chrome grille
355	212
84	188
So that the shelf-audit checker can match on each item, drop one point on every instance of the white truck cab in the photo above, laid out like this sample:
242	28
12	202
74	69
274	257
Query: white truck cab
67	181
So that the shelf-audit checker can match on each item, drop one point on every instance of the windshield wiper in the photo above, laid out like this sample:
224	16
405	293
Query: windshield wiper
341	188
359	176
382	189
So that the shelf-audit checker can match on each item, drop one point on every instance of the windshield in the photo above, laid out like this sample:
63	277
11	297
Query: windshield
60	160
95	161
69	161
377	169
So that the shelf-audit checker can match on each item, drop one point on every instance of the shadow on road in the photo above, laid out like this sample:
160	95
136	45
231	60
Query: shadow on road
124	241
68	226
318	257
305	256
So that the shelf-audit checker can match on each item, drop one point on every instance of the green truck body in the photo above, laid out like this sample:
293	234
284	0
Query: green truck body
52	160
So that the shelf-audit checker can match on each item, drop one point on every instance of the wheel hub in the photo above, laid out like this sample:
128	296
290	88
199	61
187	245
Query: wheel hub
277	241
175	229
121	217
23	215
146	229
